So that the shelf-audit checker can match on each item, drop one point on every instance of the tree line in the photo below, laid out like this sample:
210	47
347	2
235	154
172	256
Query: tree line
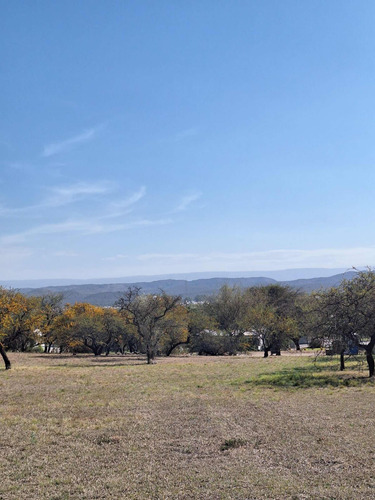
269	318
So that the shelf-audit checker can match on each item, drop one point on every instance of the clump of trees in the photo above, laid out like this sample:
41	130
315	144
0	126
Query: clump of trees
346	315
269	318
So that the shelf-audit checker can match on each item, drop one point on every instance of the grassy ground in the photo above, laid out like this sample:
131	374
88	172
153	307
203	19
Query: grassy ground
185	428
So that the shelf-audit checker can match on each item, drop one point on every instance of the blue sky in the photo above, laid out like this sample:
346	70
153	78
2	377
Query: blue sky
163	137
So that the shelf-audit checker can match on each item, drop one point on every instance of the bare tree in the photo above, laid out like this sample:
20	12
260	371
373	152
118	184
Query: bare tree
146	314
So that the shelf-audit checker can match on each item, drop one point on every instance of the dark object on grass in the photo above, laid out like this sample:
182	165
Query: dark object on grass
232	443
5	357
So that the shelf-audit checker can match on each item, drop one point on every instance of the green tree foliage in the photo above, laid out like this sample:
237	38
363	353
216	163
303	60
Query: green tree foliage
202	330
51	309
127	339
347	314
174	329
227	310
272	316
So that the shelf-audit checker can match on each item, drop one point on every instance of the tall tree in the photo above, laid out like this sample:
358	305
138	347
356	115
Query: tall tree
270	315
202	329
51	308
347	314
227	309
20	319
174	329
127	338
147	313
5	296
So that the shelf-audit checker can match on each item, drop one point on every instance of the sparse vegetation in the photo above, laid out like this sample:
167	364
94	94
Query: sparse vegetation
232	443
112	427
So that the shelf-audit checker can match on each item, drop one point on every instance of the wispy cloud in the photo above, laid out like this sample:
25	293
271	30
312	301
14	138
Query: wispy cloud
138	195
121	206
187	200
5	211
60	196
266	260
63	195
65	145
88	226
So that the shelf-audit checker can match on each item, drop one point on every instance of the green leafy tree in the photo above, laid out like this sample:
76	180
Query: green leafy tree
202	328
127	339
347	314
51	306
270	316
228	309
174	330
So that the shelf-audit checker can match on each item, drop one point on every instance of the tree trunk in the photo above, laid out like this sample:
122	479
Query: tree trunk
168	352
150	355
96	349
5	357
370	362
342	360
172	347
265	353
296	343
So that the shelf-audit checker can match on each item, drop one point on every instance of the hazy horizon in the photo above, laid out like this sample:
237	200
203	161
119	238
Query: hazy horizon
278	275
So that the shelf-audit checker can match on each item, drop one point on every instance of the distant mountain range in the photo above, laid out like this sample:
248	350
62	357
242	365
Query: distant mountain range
279	275
106	294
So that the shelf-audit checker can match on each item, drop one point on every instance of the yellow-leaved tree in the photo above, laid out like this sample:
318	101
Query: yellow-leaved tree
20	320
93	327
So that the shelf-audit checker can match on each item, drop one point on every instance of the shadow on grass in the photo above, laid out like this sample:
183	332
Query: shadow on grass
305	377
90	356
334	361
123	365
91	361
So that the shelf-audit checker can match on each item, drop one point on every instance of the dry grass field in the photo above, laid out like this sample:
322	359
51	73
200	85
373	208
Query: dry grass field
185	428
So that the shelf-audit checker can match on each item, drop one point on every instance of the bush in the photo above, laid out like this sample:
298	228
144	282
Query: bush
37	348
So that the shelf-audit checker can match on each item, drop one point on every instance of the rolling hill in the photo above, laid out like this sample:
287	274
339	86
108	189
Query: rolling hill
107	294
